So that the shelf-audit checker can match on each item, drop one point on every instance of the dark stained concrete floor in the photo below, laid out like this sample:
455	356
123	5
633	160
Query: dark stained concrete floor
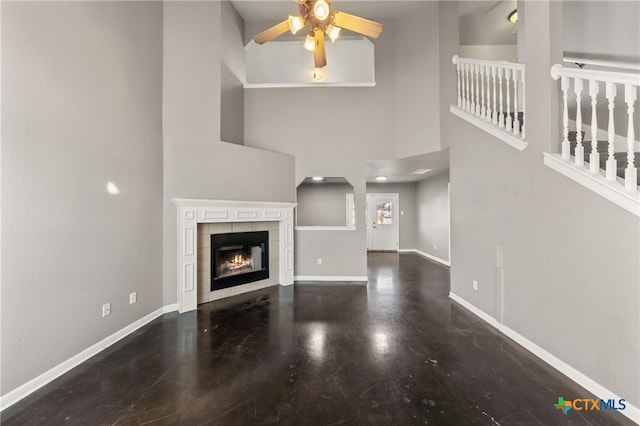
397	351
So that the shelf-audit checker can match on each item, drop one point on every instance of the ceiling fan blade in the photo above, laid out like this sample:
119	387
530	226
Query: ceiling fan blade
357	24
319	55
272	32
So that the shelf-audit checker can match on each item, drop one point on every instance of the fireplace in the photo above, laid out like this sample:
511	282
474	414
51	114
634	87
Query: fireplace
239	258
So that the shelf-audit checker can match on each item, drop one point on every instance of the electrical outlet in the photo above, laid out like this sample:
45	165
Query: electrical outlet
319	261
106	309
133	298
475	285
435	247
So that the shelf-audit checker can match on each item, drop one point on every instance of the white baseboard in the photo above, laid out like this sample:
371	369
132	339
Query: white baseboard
583	380
330	278
169	308
427	255
33	385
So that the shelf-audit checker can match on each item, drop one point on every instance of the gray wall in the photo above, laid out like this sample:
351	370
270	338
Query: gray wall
81	105
407	197
570	256
322	204
432	200
602	29
232	75
196	163
417	81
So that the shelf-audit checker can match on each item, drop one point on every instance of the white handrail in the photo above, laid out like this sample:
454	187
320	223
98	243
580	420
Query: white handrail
504	64
600	63
558	71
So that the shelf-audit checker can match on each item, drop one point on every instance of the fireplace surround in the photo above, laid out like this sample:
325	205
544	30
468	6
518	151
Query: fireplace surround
234	216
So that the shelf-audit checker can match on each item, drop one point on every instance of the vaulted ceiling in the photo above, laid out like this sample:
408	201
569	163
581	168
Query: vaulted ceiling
481	21
278	10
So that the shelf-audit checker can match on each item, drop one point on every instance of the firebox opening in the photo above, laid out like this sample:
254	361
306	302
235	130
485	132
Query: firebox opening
239	258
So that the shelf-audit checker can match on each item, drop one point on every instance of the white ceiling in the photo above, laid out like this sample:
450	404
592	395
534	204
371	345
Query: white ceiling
278	10
400	170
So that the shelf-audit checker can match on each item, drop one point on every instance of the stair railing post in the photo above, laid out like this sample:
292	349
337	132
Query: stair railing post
516	121
487	110
579	153
524	103
476	95
469	88
482	101
501	112
611	131
566	146
459	83
494	113
630	173
594	157
507	76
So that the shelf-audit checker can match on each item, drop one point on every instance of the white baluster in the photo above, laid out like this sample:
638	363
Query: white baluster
494	112
524	116
516	120
594	157
566	146
579	153
459	83
630	173
482	101
507	76
611	160
487	110
500	113
468	103
476	91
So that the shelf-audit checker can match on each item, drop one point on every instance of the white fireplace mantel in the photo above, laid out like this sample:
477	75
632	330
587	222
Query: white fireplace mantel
191	212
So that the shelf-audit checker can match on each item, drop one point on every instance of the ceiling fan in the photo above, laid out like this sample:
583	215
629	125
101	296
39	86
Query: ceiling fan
323	19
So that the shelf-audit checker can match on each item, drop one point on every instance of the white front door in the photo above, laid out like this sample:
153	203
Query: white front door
382	222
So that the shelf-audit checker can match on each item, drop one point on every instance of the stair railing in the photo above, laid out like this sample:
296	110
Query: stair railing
492	91
594	80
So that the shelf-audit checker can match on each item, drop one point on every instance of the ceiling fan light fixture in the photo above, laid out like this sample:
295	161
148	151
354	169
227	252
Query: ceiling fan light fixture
513	16
310	42
296	23
321	10
332	32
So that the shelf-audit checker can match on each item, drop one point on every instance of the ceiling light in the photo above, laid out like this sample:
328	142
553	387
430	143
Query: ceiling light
381	178
332	32
318	74
420	171
513	16
310	42
296	23
317	178
321	10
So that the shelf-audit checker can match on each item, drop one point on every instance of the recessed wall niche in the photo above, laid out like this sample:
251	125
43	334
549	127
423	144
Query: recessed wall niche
325	202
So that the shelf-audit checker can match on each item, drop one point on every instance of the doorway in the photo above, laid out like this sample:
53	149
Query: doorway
383	222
